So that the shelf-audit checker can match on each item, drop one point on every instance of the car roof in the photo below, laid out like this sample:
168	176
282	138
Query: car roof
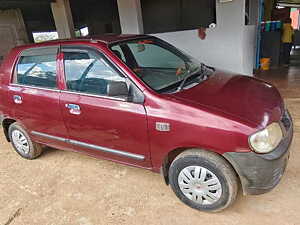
108	39
104	39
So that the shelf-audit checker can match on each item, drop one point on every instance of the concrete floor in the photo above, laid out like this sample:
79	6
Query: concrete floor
68	188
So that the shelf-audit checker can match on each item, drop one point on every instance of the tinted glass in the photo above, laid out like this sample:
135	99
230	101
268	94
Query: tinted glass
88	72
149	54
37	70
160	65
118	52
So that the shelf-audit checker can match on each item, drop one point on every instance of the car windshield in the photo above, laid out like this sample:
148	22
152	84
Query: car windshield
161	66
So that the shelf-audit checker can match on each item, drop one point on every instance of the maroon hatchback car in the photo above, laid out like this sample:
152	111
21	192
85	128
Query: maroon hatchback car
138	100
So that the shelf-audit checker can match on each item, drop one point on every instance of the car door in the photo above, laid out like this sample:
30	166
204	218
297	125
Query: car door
34	96
99	125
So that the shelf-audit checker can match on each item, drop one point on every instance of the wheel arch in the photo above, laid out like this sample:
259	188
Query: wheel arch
6	124
171	156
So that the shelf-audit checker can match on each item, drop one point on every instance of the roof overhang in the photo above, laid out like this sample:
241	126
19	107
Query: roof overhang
11	4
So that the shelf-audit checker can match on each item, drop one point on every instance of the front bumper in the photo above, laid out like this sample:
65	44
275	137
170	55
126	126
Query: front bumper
260	173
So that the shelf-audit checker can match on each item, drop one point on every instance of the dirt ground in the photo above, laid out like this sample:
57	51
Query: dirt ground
69	188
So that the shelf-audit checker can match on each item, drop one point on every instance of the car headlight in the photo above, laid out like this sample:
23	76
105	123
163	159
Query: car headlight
266	140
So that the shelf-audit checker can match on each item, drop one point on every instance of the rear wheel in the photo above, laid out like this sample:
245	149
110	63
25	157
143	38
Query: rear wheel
22	142
203	180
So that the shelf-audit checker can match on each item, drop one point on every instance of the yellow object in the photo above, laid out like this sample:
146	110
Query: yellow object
288	32
265	63
269	5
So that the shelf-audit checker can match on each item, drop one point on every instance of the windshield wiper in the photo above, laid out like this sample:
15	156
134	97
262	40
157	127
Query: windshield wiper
188	76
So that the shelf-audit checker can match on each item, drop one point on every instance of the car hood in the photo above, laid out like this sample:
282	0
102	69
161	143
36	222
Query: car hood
246	98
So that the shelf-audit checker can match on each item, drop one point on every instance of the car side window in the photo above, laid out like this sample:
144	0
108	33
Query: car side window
88	72
37	67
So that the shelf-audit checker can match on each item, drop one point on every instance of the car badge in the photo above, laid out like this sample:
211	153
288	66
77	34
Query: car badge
164	127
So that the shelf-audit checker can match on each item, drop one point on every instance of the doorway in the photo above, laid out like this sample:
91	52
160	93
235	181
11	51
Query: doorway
272	29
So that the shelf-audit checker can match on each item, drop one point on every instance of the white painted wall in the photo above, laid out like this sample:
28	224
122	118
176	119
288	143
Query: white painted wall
12	30
249	49
229	46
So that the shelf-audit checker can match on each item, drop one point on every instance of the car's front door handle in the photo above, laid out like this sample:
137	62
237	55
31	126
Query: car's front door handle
74	109
18	99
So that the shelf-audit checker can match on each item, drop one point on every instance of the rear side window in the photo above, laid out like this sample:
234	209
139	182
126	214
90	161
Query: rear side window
37	67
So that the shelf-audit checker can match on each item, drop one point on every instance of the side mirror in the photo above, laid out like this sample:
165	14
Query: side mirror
117	89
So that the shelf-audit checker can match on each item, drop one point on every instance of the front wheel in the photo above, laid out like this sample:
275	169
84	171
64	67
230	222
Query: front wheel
203	180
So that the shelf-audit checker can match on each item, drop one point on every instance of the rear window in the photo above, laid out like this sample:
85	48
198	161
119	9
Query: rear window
37	67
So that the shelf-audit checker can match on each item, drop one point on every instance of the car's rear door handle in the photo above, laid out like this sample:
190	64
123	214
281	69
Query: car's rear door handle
18	99
74	109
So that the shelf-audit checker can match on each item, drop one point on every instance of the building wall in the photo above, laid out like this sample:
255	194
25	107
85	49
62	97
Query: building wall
102	17
12	30
230	45
177	15
249	49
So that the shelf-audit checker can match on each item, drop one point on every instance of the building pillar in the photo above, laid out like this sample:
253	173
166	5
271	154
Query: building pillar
130	13
63	19
12	31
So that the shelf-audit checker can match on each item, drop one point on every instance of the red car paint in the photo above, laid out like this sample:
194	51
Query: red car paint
217	115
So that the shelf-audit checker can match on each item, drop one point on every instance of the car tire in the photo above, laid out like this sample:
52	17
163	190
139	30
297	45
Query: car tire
22	143
203	180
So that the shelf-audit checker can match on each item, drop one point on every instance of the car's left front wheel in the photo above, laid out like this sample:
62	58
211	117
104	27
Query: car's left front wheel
203	180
